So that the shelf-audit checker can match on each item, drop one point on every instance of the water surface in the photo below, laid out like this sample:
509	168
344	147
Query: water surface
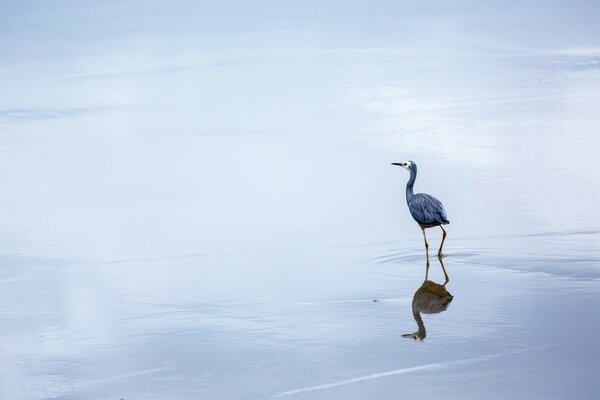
198	202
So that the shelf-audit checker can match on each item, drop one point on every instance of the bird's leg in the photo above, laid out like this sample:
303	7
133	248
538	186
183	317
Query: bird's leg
426	247
443	238
443	270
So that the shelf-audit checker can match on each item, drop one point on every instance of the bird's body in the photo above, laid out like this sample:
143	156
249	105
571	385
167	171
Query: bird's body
425	209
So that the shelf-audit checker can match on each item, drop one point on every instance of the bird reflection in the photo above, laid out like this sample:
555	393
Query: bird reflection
430	298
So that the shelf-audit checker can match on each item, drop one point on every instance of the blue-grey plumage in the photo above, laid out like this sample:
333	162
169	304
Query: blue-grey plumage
427	210
424	208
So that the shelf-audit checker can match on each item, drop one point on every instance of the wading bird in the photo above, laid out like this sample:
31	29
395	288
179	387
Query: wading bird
424	208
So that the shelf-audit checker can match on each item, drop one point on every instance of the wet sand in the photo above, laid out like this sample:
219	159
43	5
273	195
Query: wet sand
197	201
317	323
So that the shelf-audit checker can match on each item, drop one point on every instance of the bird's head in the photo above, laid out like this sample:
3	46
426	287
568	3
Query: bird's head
407	165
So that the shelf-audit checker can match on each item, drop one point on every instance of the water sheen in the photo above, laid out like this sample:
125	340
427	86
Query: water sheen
198	200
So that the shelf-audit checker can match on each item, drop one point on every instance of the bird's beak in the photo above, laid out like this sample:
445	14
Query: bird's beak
403	165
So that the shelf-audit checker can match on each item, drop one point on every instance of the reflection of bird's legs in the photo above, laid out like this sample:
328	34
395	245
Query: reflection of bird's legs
426	246
443	269
442	245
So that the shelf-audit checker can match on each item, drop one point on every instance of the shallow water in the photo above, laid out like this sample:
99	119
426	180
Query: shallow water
198	202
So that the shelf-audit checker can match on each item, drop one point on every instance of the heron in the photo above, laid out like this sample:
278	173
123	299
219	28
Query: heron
424	208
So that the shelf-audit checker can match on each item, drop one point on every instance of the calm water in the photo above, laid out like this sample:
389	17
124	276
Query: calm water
198	202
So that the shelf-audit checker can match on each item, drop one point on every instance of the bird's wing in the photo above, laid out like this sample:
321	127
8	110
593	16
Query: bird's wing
426	209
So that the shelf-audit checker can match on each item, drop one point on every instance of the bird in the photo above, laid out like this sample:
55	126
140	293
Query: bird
425	209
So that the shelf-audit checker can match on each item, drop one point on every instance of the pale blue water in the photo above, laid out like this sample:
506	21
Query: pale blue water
198	202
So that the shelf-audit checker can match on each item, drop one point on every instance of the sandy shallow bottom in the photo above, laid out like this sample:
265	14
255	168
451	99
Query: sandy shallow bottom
307	324
197	200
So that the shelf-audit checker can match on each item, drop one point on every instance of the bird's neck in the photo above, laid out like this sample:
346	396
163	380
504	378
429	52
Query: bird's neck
409	185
